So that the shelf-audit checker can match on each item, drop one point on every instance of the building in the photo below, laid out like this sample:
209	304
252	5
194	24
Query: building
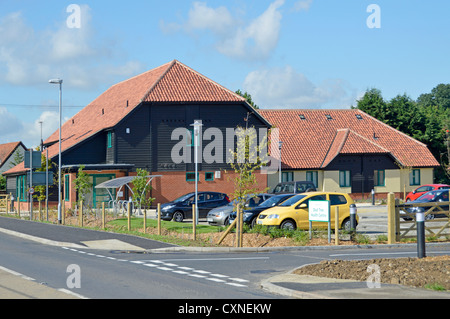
349	151
143	122
8	153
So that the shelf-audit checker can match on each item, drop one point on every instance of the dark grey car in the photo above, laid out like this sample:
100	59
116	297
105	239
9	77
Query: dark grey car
219	216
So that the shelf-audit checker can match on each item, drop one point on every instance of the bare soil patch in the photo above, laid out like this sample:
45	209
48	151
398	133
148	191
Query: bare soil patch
413	272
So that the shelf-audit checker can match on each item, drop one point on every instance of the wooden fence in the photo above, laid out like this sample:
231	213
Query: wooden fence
5	203
402	224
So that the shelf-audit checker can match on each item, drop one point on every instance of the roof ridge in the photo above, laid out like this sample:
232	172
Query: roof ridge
394	129
171	64
344	139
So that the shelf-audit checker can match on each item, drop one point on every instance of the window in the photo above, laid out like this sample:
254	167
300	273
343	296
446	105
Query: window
287	176
67	188
109	139
344	179
313	176
209	176
190	177
378	178
338	200
21	188
414	177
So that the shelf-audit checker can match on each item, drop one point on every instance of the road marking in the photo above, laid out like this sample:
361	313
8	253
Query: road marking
165	268
215	279
150	265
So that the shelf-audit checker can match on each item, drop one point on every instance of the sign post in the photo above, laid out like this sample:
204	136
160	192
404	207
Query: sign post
319	211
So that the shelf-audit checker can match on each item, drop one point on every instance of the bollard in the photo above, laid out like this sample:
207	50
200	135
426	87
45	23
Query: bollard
373	197
353	211
420	225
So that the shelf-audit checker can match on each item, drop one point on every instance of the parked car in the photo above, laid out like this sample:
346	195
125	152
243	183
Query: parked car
250	215
181	208
219	216
294	187
419	191
293	212
440	195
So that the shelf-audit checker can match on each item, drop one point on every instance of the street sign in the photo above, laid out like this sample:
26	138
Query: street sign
36	159
319	210
39	178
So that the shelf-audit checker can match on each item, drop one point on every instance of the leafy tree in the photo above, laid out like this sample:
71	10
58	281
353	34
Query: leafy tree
248	97
82	184
141	188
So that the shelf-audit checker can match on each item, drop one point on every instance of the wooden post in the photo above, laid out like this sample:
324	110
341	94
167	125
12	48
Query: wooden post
145	221
194	226
63	212
103	215
238	227
391	218
7	204
336	226
241	227
129	215
227	231
159	218
18	206
40	210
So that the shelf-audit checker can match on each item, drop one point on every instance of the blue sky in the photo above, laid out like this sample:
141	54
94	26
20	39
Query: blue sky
285	53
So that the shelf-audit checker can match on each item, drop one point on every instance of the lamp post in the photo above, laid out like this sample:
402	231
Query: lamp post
280	144
59	81
197	126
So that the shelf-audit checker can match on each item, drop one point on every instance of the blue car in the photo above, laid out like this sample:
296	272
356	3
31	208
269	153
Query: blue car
181	208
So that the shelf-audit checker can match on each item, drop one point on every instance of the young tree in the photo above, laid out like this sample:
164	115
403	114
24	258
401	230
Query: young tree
141	189
82	184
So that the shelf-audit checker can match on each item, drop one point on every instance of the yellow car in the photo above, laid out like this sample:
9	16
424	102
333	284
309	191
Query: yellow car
293	213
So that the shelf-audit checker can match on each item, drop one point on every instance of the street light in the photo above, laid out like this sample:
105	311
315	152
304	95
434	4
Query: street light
59	81
280	144
197	126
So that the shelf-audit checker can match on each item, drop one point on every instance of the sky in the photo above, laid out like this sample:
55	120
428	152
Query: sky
306	54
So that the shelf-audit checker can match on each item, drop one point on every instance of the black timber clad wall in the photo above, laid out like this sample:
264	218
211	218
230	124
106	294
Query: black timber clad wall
149	144
362	168
91	151
134	147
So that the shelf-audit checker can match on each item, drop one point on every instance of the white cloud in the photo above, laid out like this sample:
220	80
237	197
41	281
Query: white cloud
302	5
287	88
29	57
233	37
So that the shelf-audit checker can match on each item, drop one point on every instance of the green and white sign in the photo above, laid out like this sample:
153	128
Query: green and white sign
319	211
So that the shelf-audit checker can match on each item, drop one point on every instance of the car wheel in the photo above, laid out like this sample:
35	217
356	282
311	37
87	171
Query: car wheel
346	225
429	217
288	224
253	223
178	216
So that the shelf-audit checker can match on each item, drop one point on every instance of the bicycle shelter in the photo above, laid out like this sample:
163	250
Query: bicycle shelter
119	183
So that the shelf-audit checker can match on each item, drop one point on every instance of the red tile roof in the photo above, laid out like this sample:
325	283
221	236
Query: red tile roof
171	82
7	149
313	138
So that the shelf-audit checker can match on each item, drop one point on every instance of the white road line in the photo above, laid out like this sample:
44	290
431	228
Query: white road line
219	275
196	276
238	279
215	279
235	284
150	265
201	271
165	268
181	272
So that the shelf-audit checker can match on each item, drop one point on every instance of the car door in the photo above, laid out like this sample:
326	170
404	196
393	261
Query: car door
302	214
337	200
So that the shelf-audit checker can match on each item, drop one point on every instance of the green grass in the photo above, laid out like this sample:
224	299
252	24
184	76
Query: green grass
137	223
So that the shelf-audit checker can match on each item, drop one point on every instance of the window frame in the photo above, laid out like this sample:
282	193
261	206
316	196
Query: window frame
347	181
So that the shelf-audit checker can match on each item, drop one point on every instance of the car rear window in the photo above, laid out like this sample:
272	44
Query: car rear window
338	200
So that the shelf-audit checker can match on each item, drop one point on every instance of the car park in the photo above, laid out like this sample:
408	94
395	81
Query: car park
294	187
219	216
440	195
419	191
181	208
293	213
250	215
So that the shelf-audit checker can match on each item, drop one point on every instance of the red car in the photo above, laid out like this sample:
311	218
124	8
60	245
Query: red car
423	189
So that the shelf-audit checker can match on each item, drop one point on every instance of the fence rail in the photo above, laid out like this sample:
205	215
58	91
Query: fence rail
402	219
5	203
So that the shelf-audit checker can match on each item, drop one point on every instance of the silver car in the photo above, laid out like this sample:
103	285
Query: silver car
219	216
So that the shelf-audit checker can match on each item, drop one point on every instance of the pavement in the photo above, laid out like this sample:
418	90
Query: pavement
18	286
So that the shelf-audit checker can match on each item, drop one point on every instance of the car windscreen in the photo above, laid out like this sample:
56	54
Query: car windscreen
293	200
431	196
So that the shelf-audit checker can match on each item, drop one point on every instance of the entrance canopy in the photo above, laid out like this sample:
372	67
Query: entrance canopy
118	183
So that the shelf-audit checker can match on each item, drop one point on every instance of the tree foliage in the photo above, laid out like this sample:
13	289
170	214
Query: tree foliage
425	119
141	189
